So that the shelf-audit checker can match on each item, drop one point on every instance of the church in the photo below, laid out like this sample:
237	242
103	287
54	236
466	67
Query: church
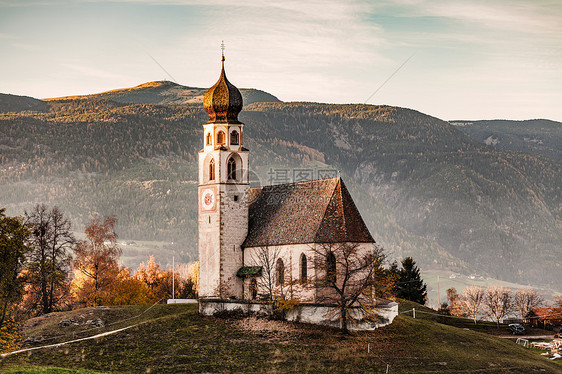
237	223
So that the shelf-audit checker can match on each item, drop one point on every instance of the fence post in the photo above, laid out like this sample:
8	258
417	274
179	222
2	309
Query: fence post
414	310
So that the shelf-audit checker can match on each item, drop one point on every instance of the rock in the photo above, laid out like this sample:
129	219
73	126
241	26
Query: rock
67	322
96	322
30	340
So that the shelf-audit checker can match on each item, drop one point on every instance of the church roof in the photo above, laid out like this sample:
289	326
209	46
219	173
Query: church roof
318	211
223	101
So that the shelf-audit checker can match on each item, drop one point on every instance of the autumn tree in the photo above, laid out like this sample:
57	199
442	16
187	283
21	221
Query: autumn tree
558	301
95	263
128	290
13	249
150	274
498	302
454	302
158	282
48	263
348	276
410	285
471	301
525	300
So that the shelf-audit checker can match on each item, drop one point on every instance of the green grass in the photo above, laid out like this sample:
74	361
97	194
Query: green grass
175	338
50	370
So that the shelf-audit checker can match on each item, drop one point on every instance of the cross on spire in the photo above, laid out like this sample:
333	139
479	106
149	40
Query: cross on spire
222	49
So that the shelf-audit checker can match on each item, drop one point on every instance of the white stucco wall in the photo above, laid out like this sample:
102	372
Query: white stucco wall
291	256
316	314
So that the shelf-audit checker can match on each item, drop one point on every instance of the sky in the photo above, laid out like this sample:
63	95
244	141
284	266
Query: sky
455	60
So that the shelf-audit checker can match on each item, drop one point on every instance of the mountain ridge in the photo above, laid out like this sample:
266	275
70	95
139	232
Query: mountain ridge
165	92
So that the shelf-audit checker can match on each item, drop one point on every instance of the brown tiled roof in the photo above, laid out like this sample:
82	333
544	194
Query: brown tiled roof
319	211
550	314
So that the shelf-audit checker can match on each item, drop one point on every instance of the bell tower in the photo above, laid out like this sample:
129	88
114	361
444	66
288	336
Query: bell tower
223	192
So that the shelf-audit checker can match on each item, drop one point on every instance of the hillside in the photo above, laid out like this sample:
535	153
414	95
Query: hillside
166	92
174	338
423	187
14	103
538	136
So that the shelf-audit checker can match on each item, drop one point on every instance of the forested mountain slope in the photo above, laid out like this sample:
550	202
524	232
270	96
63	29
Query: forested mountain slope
537	136
15	103
424	188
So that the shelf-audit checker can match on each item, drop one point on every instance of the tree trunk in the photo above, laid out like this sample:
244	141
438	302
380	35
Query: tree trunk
343	320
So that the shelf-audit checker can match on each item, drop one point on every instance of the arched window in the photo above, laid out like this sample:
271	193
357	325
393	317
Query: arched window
304	269
212	170
254	289
234	138
280	269
220	137
331	268
209	138
231	168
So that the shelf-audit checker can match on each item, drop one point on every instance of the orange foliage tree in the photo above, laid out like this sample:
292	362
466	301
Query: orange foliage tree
159	282
95	264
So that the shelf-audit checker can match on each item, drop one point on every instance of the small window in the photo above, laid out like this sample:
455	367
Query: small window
231	169
209	138
331	268
280	267
212	170
235	197
254	288
234	138
220	137
304	269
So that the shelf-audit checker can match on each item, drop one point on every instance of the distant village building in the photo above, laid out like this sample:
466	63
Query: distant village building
236	221
546	317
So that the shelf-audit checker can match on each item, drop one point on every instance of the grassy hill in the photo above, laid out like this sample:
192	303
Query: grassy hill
423	187
166	92
176	339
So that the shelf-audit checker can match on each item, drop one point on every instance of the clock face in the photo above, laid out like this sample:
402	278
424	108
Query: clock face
208	199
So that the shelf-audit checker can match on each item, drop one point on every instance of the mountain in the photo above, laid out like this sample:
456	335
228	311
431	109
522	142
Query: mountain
165	92
424	188
14	103
537	136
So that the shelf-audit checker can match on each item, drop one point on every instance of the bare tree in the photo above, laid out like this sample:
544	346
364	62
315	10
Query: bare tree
498	302
48	264
471	301
268	258
525	300
347	276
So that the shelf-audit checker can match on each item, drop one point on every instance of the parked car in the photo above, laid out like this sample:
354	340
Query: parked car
516	328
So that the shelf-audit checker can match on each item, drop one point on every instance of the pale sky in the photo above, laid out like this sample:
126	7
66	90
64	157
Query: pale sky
470	59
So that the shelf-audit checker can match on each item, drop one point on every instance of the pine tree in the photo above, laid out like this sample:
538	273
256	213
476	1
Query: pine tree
410	286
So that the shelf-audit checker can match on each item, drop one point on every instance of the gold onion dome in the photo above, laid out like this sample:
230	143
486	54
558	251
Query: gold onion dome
223	101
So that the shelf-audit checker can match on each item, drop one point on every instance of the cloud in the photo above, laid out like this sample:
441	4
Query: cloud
90	71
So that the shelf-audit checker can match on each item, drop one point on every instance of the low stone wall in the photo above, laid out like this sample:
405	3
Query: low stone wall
181	301
318	314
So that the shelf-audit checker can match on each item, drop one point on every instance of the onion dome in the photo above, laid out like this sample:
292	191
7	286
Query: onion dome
223	101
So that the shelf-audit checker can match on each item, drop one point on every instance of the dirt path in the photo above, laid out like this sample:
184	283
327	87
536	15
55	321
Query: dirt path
68	342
